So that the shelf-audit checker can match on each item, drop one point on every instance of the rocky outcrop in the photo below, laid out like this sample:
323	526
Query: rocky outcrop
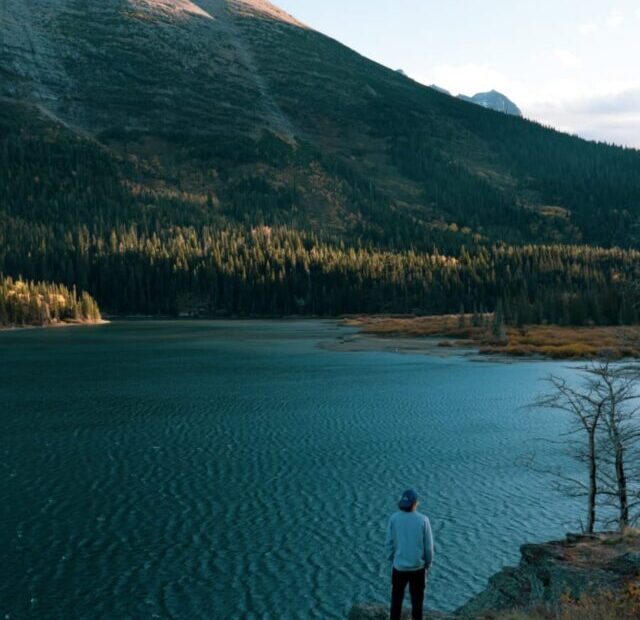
576	566
547	572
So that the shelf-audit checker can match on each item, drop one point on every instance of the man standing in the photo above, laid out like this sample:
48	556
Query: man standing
410	546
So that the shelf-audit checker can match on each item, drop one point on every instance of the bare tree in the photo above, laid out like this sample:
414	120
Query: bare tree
605	436
586	405
620	446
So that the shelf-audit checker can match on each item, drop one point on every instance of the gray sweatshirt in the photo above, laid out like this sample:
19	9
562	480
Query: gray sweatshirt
409	541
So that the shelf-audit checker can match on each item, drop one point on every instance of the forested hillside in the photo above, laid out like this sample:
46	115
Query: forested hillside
92	222
229	160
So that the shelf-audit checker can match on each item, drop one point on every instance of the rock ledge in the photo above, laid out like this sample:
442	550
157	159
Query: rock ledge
547	572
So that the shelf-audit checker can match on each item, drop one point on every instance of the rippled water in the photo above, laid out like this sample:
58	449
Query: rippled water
228	470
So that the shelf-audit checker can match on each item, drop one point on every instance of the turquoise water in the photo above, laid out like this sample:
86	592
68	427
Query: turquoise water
239	470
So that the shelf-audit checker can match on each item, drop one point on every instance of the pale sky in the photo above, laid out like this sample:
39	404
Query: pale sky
572	64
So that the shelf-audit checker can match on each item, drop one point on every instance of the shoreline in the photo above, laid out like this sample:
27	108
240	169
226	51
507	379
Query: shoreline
57	325
364	342
429	346
459	334
438	336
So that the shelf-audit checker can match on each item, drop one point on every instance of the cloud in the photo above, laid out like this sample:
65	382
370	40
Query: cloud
607	110
469	78
609	117
567	59
626	102
615	19
588	28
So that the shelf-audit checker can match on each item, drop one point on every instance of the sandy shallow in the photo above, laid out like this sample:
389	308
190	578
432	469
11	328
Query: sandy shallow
429	346
395	344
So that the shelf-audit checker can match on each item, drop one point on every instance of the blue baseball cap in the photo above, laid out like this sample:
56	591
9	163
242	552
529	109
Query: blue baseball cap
408	499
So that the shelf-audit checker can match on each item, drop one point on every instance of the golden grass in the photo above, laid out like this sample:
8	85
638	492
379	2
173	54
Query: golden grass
623	605
550	341
444	325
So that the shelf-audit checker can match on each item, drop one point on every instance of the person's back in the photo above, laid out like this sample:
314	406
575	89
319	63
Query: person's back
410	533
410	548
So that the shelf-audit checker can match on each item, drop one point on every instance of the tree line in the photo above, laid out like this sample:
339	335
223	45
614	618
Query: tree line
24	302
279	271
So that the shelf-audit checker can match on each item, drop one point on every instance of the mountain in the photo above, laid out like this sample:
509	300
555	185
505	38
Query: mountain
493	100
191	87
166	155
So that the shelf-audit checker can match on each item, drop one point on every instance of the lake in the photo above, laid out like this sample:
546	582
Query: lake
218	469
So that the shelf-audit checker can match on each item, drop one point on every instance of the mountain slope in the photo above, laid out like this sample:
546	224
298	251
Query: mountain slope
136	134
144	64
170	82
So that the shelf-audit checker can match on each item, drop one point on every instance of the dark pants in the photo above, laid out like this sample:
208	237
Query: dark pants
399	581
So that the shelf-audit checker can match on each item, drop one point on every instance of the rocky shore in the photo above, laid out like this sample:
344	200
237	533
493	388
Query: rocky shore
552	576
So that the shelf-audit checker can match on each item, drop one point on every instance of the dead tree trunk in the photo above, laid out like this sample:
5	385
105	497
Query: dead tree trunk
593	480
586	406
621	423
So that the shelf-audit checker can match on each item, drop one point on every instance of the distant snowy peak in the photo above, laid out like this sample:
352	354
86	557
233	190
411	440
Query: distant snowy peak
493	100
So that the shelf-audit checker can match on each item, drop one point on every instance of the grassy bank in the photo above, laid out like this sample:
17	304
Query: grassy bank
551	341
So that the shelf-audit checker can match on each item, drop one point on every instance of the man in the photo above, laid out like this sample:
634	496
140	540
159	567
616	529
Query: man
410	546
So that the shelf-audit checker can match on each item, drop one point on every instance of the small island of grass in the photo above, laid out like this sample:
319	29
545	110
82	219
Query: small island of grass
40	304
483	333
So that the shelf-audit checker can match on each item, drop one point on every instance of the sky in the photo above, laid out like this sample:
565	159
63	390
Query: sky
571	64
